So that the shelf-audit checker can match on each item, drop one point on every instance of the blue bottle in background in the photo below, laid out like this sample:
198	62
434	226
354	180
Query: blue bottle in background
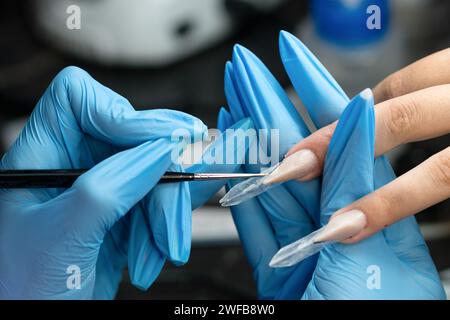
351	23
357	40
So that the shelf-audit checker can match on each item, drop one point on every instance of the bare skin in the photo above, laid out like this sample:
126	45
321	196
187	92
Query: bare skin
413	104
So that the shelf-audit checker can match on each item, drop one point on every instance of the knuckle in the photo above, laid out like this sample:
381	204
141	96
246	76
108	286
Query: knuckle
402	118
67	89
393	86
71	73
440	167
91	194
69	79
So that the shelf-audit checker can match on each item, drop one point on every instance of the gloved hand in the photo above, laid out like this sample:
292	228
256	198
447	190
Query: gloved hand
75	243
175	234
393	264
294	209
286	212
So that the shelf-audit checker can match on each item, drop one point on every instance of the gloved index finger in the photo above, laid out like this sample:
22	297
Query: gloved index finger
76	108
270	108
226	154
318	90
350	157
110	189
265	101
109	117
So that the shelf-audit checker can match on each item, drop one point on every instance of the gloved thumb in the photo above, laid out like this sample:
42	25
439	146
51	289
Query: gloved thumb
109	190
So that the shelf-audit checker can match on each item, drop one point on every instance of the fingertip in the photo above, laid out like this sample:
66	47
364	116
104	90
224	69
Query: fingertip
320	93
238	51
72	74
199	130
366	94
169	210
224	119
145	261
232	94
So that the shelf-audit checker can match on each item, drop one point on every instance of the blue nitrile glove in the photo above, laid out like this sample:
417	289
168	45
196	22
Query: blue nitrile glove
324	100
168	234
51	239
392	264
286	212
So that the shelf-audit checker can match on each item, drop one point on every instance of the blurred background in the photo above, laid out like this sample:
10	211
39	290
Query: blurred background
167	53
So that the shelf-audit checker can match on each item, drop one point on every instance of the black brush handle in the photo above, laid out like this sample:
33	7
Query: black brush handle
24	179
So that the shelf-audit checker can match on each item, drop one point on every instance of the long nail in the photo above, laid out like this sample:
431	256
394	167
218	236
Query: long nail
342	227
339	228
296	166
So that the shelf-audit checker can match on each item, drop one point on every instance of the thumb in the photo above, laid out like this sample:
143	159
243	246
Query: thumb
109	190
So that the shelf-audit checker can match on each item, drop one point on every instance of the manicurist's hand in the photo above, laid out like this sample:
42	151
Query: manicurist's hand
75	243
413	104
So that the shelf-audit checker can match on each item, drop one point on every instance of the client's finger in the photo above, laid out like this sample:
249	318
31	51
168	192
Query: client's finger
416	190
420	115
424	73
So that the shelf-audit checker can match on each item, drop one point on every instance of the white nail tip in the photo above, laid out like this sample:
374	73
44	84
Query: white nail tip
366	94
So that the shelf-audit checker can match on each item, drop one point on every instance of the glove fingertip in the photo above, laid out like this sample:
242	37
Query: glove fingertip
266	101
351	151
318	90
232	94
170	218
144	269
145	262
224	119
